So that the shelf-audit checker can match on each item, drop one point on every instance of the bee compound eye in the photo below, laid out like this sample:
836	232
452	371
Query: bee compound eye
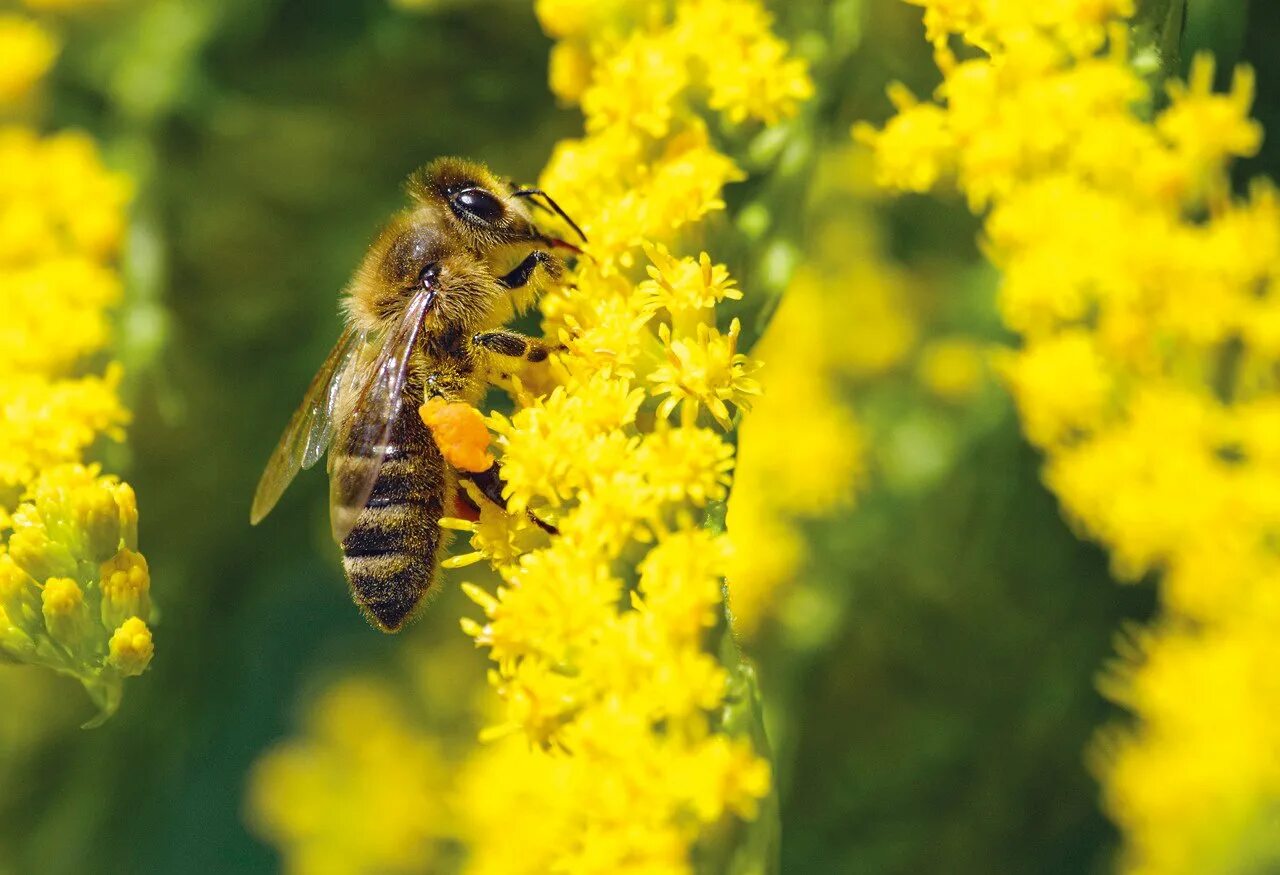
479	204
429	276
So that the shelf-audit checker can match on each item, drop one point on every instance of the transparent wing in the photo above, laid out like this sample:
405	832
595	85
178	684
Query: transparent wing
310	429
365	444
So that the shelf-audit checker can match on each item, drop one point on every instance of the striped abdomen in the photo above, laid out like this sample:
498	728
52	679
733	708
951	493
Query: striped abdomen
391	553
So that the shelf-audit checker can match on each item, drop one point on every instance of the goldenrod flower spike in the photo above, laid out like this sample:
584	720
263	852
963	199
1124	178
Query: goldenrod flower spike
620	695
311	796
1132	272
74	591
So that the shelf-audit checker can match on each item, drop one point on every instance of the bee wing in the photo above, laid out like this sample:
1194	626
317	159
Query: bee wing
310	429
369	434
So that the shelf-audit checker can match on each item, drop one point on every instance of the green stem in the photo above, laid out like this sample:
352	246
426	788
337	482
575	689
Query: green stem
1157	31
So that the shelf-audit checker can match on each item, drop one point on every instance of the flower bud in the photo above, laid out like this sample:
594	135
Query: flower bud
66	616
127	505
37	555
131	648
126	588
94	512
19	596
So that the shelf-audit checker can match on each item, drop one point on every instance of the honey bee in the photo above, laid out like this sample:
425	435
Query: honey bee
422	315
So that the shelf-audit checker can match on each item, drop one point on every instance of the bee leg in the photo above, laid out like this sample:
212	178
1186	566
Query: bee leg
523	272
513	345
490	483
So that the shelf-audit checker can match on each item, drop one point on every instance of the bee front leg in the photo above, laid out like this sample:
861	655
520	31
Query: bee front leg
523	272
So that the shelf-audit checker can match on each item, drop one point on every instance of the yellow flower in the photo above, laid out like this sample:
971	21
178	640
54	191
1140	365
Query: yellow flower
952	368
619	695
683	286
497	535
1132	273
126	587
745	65
916	146
1208	129
1063	387
65	614
569	71
52	588
61	222
686	465
362	790
636	85
705	371
130	648
27	51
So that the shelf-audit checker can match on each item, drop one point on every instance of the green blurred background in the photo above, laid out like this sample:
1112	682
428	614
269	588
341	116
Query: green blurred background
931	710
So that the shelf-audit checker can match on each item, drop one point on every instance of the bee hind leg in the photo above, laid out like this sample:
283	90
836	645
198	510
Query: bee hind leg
490	483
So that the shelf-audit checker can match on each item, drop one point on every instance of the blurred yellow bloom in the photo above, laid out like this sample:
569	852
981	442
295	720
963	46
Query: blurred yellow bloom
27	51
802	452
1064	387
51	422
952	368
746	67
916	146
636	85
66	5
362	790
1133	274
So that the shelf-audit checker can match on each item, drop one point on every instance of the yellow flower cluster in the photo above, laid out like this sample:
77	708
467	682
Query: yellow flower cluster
600	634
614	728
313	797
74	593
1145	293
637	68
61	223
28	51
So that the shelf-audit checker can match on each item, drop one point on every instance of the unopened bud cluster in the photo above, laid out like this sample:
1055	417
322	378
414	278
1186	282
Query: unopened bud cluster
75	595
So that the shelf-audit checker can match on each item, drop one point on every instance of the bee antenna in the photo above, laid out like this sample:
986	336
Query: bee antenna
555	207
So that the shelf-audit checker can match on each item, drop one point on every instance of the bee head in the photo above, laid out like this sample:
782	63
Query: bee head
412	255
473	203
